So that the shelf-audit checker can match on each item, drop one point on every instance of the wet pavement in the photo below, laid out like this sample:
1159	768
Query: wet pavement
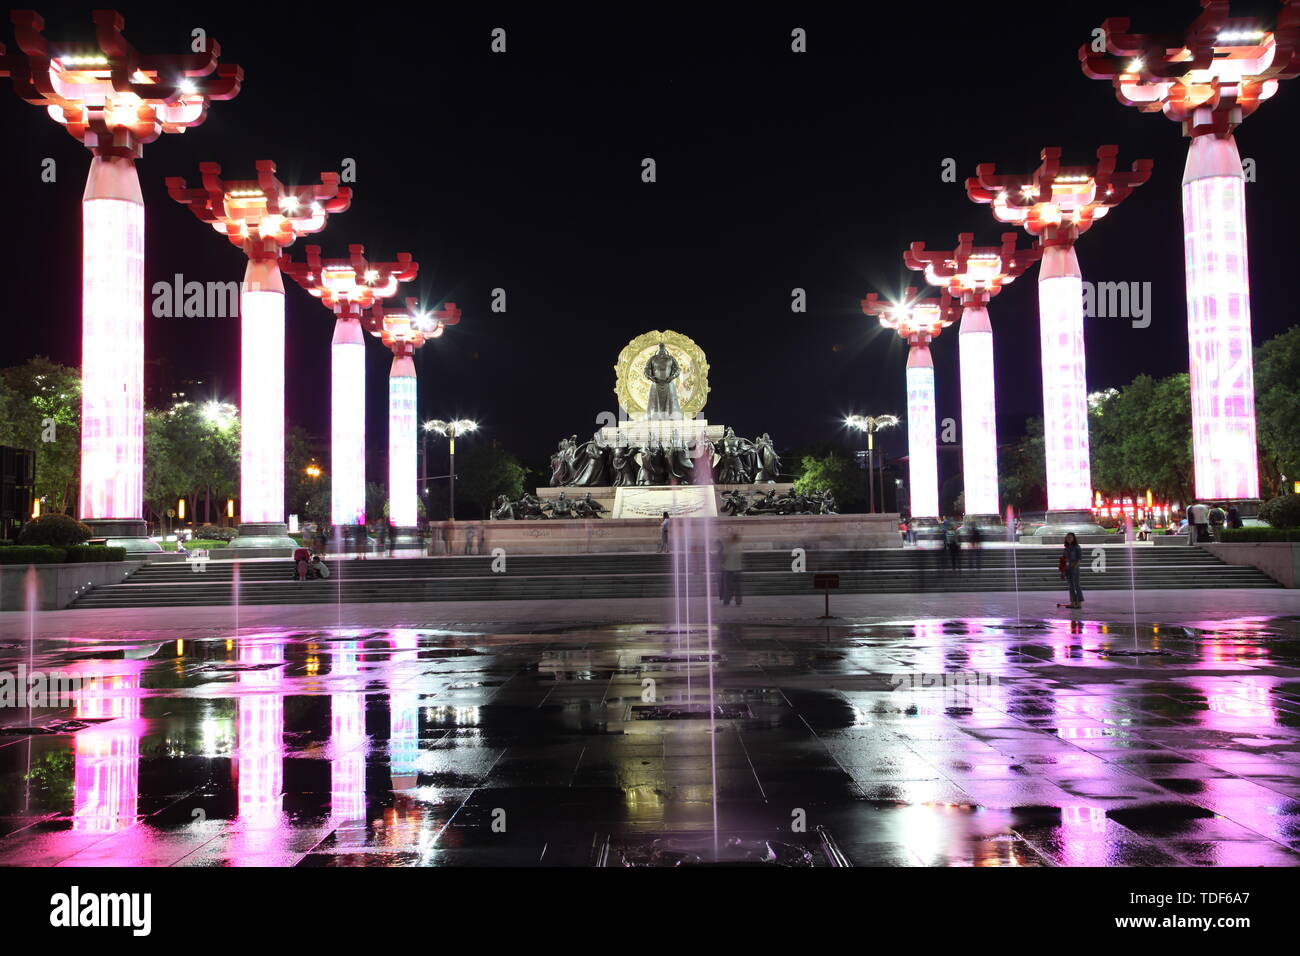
975	741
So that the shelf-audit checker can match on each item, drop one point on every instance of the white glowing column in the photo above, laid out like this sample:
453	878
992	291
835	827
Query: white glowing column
261	473
348	423
922	454
402	500
979	442
1218	321
1065	385
112	342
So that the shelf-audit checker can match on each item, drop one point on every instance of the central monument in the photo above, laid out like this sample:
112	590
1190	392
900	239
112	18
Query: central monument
661	382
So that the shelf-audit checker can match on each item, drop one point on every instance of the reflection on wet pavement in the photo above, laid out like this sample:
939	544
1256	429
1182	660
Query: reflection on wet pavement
969	742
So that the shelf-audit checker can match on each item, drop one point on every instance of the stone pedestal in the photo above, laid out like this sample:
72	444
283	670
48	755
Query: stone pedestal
1080	521
129	533
264	534
990	527
406	537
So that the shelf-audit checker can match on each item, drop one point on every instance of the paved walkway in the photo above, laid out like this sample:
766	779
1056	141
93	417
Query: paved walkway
1117	607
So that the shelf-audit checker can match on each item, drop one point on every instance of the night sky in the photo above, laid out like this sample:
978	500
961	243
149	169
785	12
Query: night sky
522	171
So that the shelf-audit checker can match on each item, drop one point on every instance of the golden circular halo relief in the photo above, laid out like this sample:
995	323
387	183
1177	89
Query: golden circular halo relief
633	388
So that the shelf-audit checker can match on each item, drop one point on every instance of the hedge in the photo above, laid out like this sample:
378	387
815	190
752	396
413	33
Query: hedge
80	553
1238	535
55	530
20	554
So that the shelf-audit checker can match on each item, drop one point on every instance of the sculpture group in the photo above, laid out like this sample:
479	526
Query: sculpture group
599	463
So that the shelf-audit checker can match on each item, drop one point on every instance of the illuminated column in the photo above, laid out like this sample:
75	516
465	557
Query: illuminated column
979	434
261	390
1065	385
114	101
1218	321
922	451
402	501
974	274
1209	81
261	216
919	321
404	332
349	288
348	423
112	348
1056	204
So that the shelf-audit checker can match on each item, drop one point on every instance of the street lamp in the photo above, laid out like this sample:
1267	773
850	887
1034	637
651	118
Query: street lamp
461	426
871	424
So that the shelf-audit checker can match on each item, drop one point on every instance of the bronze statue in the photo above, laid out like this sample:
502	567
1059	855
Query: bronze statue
623	464
593	472
662	370
769	465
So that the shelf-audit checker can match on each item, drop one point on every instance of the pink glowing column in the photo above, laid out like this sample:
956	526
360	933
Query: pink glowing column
348	423
979	442
922	454
1065	384
261	474
1218	321
402	500
112	358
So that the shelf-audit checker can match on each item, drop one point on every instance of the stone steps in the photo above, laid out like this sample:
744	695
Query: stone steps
575	577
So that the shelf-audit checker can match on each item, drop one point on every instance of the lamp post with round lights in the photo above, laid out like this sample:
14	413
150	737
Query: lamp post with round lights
1209	80
403	331
261	216
114	102
871	424
461	426
919	321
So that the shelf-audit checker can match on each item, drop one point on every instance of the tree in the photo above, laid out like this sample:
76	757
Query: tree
40	408
306	495
486	471
834	473
1141	437
1277	409
190	451
1022	470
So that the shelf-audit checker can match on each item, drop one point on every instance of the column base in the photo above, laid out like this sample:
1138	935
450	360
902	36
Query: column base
351	538
263	534
926	529
406	537
129	533
1078	520
990	527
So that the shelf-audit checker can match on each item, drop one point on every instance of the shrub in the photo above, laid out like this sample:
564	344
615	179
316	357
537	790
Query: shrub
212	532
1282	511
81	553
1236	535
54	530
31	555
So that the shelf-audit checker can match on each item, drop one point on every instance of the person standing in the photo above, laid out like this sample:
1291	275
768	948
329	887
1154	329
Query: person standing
733	562
1234	517
952	543
1198	521
1071	568
663	534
